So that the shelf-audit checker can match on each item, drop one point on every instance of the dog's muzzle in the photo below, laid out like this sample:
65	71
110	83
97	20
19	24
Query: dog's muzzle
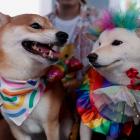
93	60
46	50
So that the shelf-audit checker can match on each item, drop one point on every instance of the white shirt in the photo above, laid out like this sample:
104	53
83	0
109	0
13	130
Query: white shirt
67	26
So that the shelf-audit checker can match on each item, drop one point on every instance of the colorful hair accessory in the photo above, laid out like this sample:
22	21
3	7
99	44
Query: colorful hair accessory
113	19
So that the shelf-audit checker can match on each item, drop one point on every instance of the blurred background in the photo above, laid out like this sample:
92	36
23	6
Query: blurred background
43	7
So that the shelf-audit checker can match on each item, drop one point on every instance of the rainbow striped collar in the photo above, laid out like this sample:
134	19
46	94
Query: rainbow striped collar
19	98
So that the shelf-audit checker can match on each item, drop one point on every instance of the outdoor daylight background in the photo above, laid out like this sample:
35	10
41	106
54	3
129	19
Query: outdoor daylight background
43	7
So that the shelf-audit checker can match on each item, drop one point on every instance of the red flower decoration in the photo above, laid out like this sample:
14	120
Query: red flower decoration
73	65
132	73
55	73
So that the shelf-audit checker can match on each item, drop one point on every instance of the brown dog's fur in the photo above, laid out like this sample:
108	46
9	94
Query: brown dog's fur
17	63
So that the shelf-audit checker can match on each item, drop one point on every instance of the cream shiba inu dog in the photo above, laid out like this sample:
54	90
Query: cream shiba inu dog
28	45
117	51
118	54
111	98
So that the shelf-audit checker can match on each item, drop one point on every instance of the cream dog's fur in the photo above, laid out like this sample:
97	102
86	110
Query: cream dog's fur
113	59
116	51
19	64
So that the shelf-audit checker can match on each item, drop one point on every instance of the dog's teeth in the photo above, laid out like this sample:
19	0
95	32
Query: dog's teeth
35	48
44	54
50	45
50	54
33	43
55	48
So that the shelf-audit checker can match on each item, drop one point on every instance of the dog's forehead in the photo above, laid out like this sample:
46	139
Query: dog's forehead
29	19
117	33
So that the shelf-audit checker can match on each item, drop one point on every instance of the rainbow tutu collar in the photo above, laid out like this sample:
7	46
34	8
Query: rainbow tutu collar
105	107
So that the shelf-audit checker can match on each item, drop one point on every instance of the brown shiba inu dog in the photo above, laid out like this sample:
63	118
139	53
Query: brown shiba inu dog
28	46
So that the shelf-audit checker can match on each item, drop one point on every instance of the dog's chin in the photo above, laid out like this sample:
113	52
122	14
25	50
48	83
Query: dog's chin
46	52
111	65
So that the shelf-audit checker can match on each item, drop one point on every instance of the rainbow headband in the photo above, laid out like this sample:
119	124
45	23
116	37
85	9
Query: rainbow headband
113	19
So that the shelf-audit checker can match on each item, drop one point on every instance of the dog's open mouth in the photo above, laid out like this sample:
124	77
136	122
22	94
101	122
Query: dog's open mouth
96	65
44	50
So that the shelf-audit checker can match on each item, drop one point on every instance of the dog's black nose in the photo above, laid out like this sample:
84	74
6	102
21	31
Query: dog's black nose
62	37
92	57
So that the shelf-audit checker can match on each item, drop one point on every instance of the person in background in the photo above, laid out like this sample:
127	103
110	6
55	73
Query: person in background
75	18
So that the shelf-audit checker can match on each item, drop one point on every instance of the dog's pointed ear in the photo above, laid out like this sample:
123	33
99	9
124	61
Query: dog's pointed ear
4	19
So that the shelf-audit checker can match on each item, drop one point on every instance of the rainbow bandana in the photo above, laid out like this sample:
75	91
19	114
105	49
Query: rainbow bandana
105	107
19	98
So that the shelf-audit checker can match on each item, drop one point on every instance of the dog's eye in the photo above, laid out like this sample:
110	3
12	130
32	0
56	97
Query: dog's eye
99	43
116	42
36	26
